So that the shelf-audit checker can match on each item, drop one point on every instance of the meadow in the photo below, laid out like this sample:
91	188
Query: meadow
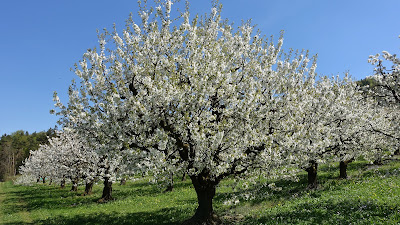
370	196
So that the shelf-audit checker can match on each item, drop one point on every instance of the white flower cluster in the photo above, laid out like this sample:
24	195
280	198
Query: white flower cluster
66	158
386	89
211	101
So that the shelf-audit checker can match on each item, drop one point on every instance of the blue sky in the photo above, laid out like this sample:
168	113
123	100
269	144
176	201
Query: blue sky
41	40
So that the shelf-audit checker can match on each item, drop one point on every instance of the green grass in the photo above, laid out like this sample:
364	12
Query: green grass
371	195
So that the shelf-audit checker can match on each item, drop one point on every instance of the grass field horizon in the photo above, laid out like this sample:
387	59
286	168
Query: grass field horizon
370	196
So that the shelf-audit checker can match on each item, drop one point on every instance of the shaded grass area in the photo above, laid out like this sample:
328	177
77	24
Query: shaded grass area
136	203
370	196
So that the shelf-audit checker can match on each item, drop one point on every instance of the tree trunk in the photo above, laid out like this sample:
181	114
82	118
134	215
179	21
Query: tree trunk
62	185
107	191
123	181
75	184
44	180
88	188
343	168
312	175
205	190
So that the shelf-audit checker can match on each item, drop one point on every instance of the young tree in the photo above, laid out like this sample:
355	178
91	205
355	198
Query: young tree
355	120
334	121
37	165
65	157
387	89
201	98
74	159
387	79
309	137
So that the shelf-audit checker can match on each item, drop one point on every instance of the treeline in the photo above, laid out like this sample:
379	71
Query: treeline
15	148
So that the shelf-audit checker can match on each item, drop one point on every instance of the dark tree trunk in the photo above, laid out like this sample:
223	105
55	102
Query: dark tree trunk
74	184
38	180
312	175
123	181
170	187
107	191
62	185
44	180
88	188
343	168
205	190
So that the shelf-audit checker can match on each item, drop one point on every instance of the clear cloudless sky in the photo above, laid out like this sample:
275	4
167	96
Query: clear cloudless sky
41	40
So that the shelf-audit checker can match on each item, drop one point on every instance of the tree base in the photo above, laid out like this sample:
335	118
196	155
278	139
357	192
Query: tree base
105	199
74	188
312	175
107	192
86	193
88	189
313	187
343	168
169	189
213	219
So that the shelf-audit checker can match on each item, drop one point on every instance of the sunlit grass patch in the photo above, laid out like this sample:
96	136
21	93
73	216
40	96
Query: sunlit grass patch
369	196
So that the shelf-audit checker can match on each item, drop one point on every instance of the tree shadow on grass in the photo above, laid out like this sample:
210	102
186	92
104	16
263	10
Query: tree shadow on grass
329	212
327	180
353	166
50	197
163	216
54	198
45	198
144	188
286	189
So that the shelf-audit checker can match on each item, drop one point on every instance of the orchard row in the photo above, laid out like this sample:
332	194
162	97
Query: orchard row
210	101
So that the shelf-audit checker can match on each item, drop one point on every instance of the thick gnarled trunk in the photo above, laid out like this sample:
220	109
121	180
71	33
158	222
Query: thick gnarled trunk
205	190
107	191
312	175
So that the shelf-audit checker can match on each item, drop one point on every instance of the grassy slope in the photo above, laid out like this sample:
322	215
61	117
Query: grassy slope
370	196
